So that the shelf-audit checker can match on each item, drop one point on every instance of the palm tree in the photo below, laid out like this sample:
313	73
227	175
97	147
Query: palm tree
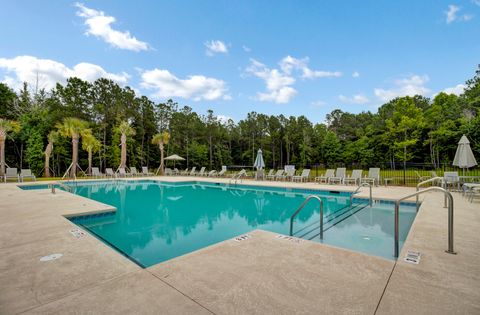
125	130
161	139
91	145
73	128
52	138
5	127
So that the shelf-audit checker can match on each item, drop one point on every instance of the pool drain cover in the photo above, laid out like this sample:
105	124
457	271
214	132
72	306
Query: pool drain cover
51	257
242	237
412	257
288	238
77	233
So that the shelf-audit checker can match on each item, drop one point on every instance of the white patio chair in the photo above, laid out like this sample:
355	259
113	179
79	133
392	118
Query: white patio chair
325	177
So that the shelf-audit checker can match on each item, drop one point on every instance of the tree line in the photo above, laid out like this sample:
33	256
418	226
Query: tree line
36	131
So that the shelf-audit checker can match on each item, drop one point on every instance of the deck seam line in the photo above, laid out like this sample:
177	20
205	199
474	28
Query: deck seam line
385	288
184	294
78	290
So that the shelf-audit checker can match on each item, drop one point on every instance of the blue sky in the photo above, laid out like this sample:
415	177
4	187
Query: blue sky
274	57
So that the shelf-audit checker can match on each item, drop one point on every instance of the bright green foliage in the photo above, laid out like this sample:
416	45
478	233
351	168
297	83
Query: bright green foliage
34	153
414	129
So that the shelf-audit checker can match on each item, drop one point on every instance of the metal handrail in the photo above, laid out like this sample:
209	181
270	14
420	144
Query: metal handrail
450	217
358	189
433	179
301	207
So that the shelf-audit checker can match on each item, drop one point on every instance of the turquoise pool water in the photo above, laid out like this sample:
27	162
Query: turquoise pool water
157	221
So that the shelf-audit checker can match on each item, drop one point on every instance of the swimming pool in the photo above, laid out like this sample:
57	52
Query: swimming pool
157	221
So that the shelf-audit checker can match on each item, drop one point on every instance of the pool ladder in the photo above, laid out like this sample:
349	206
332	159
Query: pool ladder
448	196
358	189
301	207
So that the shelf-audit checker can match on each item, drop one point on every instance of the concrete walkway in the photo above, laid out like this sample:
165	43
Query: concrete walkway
260	275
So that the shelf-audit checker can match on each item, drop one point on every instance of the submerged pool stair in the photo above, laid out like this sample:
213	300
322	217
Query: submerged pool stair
310	231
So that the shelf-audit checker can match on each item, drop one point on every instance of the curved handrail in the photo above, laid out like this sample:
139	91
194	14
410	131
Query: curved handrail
358	189
433	179
301	207
450	217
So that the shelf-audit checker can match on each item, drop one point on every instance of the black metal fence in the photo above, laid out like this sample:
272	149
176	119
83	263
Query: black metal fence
400	174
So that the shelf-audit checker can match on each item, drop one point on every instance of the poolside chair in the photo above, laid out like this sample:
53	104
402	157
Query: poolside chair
420	177
302	177
185	172
240	174
96	172
326	177
176	171
451	179
133	171
27	173
11	173
192	172
222	171
260	175
373	177
289	173
355	178
122	172
212	173
434	174
270	172
279	173
109	172
168	172
202	172
145	171
339	176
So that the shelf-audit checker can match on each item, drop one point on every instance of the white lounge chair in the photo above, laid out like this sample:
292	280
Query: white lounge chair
373	177
325	177
192	172
27	173
11	173
302	177
212	173
168	171
122	172
289	173
355	178
133	171
222	171
202	172
270	173
109	172
451	179
145	171
240	174
339	176
176	171
278	174
96	172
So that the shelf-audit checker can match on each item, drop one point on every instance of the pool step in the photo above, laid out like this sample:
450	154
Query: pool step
313	231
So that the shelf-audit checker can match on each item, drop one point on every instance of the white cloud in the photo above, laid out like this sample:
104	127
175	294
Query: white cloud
223	119
99	25
410	86
355	99
355	74
48	72
215	47
290	63
279	81
318	104
452	16
195	87
457	90
246	49
477	2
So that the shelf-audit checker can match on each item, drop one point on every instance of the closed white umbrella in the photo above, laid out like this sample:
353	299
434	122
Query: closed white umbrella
464	157
259	163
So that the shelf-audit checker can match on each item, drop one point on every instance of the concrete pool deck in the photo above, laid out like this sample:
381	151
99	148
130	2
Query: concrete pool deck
262	274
